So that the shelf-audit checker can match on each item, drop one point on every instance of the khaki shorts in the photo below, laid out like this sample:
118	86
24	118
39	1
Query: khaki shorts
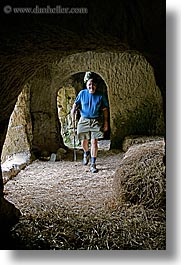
89	129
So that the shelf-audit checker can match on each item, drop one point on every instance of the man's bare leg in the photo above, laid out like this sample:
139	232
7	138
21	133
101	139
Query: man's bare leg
94	150
85	146
94	147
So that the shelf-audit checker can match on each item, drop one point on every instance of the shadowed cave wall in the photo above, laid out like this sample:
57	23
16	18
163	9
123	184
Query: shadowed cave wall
119	41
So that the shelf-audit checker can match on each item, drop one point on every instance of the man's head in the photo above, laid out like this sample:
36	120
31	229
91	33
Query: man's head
91	86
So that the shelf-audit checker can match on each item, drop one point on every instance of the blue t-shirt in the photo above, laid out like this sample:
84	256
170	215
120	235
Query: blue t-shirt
90	105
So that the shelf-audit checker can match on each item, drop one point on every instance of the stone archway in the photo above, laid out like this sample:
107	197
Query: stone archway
135	100
65	99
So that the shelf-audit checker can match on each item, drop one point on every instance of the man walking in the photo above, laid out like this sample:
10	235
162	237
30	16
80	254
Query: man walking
90	103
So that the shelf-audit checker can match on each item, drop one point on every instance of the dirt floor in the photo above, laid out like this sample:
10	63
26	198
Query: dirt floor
64	206
65	192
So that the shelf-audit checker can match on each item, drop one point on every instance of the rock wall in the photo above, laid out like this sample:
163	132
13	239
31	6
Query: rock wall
44	114
65	99
136	105
19	134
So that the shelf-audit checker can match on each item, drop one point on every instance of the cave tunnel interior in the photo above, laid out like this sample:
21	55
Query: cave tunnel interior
42	56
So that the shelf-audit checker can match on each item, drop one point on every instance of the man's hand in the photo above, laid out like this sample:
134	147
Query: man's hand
106	126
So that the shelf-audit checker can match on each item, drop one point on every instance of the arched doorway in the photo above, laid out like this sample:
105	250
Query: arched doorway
65	98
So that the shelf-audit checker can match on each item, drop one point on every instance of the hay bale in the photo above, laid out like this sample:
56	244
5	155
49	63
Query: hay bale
140	178
136	139
142	229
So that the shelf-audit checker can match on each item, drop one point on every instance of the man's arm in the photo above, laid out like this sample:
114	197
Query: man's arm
73	111
106	123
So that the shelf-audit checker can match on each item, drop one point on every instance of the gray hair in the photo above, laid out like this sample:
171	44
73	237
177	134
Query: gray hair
89	75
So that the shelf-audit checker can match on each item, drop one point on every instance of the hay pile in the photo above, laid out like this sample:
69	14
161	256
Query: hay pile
140	178
135	139
140	182
122	228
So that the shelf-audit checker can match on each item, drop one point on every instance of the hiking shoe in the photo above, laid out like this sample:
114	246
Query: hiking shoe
86	160
93	168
